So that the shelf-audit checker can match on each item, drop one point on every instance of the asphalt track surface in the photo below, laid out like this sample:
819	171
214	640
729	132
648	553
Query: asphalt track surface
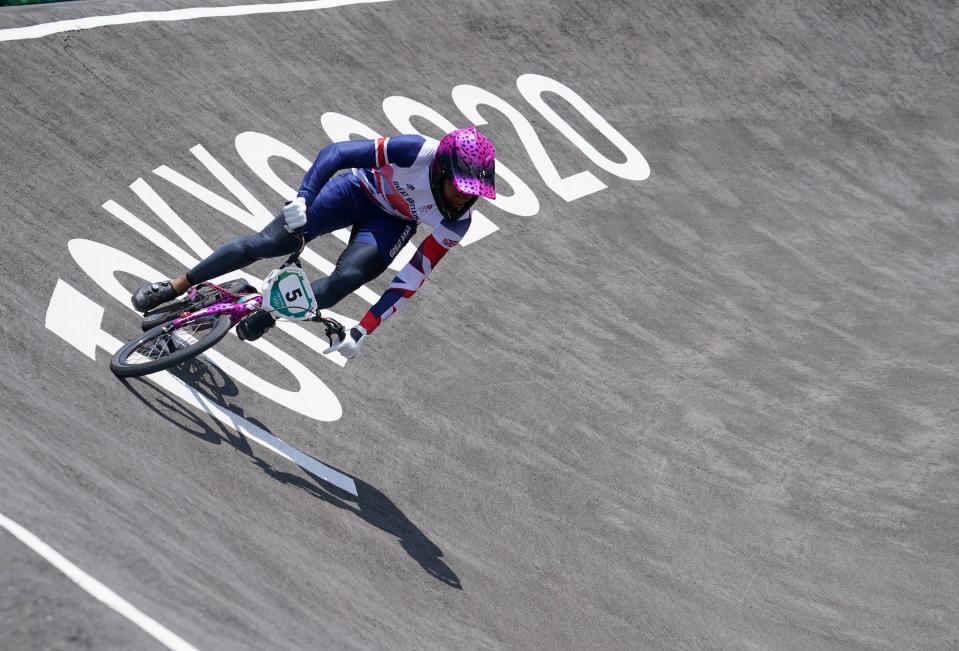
714	408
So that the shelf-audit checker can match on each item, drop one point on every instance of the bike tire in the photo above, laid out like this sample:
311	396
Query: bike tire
124	363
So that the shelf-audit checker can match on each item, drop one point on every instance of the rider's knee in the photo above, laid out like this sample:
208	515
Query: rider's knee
347	281
255	247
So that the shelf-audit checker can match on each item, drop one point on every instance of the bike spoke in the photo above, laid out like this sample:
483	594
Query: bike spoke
167	343
137	358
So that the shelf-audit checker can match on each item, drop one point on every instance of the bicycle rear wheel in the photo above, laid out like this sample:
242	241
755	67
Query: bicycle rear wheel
165	346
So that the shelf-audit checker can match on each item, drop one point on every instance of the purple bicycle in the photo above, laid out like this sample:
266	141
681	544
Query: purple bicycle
181	330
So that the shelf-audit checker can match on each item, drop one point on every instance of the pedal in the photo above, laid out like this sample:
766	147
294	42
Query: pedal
239	286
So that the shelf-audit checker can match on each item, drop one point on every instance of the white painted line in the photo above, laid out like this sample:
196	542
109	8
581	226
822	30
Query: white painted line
76	24
99	591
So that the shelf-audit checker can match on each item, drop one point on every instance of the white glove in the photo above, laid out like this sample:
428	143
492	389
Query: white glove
294	213
351	345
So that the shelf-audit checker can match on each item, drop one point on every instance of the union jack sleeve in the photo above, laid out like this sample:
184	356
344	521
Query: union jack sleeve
381	155
411	277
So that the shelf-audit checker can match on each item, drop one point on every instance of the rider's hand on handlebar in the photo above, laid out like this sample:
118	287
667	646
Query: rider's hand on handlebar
294	214
351	345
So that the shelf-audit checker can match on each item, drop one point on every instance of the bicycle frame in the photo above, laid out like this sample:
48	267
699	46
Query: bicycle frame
170	349
236	306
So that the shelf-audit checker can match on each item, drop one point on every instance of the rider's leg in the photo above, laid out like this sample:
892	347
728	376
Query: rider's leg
271	242
376	240
373	245
358	264
332	209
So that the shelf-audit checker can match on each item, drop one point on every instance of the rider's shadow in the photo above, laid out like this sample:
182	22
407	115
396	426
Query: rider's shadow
371	505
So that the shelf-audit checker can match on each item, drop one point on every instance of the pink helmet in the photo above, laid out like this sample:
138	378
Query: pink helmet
466	157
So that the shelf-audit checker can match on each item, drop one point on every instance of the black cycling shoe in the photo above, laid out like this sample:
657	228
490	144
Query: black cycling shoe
149	296
255	325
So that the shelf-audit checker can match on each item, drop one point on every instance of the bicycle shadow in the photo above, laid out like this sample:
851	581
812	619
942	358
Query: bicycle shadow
371	504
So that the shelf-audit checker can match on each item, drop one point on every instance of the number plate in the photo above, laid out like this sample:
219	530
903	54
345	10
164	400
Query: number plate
287	293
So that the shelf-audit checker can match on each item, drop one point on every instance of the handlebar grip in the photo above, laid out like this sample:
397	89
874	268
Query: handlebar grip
295	256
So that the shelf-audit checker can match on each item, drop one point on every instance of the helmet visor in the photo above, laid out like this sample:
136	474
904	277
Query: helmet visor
477	179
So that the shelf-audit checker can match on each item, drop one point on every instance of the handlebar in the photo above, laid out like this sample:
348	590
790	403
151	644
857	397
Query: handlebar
295	256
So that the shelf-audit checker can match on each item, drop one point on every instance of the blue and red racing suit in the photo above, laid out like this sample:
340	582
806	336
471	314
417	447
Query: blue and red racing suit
393	175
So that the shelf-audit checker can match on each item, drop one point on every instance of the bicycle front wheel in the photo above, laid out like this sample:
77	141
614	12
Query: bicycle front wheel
164	346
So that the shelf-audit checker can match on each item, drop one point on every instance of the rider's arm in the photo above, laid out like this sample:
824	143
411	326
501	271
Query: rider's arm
398	150
411	277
